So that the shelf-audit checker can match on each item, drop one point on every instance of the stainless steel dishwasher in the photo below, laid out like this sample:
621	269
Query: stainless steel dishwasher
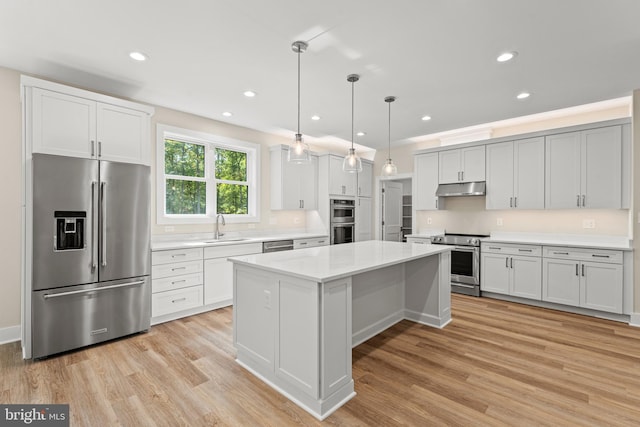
277	246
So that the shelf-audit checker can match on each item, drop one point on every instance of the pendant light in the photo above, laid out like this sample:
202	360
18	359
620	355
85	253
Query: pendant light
389	169
299	150
352	162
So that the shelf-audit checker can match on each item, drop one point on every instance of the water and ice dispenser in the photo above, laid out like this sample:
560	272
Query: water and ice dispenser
70	230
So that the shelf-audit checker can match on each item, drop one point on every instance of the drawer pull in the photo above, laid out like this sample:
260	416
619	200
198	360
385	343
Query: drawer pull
303	243
178	268
178	255
178	281
178	300
525	250
561	253
599	256
493	247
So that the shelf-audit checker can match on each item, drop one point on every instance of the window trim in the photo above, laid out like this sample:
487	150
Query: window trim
211	142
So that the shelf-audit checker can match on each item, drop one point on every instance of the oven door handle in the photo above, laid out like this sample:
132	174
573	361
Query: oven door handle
462	285
343	225
465	248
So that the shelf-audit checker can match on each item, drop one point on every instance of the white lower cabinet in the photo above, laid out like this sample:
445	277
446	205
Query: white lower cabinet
218	272
177	280
310	242
571	277
512	270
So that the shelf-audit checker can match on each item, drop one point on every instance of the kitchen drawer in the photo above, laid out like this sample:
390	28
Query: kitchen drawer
175	255
176	282
177	300
232	250
310	243
175	269
419	240
510	249
583	254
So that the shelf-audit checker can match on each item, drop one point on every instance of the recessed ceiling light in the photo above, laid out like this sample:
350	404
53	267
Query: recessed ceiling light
523	95
361	133
506	56
315	117
138	56
426	118
249	93
227	114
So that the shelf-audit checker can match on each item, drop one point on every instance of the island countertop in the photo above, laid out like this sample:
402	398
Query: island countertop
326	263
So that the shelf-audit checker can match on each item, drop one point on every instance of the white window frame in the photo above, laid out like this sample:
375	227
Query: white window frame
211	142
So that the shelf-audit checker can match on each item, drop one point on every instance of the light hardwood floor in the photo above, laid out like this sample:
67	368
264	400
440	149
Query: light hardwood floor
497	363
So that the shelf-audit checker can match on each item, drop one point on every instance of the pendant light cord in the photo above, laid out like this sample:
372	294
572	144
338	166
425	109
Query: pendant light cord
389	130
298	90
352	109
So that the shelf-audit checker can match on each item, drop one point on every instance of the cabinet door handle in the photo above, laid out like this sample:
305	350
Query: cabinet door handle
599	256
178	255
93	148
510	202
511	262
462	174
506	263
515	202
561	253
99	148
303	243
178	300
578	201
525	250
494	247
436	203
583	202
582	270
302	204
577	270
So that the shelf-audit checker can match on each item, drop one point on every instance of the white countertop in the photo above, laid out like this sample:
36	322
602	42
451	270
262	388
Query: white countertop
571	240
327	263
198	241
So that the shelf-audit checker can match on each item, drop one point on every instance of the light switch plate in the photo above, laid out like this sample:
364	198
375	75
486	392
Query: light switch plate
588	223
499	222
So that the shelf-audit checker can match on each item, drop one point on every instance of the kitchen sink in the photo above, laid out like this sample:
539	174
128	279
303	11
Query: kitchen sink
240	239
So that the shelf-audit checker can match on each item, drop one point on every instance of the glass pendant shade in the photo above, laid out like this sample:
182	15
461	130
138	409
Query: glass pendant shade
299	151
352	163
389	169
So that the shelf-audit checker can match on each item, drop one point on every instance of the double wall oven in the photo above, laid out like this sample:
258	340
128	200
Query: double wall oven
343	221
465	261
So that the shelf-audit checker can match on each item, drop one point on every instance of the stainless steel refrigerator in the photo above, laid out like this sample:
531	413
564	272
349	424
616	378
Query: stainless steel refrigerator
91	257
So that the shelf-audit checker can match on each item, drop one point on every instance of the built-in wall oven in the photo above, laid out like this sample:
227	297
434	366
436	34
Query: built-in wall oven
342	221
465	261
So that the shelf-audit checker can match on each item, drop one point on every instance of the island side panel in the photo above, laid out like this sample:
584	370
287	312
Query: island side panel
254	317
378	301
428	290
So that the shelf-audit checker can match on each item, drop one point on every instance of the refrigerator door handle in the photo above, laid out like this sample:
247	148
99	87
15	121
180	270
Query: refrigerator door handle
103	213
94	239
84	291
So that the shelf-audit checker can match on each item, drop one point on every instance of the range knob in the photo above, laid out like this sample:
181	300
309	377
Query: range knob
474	241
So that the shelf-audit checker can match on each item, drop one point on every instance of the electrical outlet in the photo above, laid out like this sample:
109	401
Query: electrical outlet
588	223
267	299
169	229
499	222
430	220
296	220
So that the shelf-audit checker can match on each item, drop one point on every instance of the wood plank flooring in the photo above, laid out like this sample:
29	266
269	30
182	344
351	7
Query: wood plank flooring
497	363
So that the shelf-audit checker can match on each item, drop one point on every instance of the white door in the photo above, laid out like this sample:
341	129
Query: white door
391	211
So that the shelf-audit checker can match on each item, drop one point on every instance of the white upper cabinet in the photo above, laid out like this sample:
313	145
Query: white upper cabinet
584	169
462	165
293	186
363	219
425	182
365	179
341	183
77	123
515	174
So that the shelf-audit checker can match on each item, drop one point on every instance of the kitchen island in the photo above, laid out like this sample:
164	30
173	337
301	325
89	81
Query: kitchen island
297	314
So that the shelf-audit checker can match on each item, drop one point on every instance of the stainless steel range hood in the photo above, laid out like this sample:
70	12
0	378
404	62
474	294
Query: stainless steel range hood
461	189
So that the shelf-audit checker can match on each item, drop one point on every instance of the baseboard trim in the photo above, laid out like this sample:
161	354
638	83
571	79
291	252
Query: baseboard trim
634	320
9	334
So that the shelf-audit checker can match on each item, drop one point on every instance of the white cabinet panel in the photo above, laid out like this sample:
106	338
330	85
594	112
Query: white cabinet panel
426	182
293	186
218	284
365	180
62	124
336	338
341	183
500	177
561	281
123	134
462	165
601	286
494	271
164	303
363	219
511	269
526	280
584	169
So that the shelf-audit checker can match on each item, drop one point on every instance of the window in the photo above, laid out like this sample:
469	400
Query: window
201	175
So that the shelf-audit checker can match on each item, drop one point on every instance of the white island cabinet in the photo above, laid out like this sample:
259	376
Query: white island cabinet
297	316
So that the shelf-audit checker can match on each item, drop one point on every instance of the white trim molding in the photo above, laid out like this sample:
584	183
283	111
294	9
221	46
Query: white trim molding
9	334
634	320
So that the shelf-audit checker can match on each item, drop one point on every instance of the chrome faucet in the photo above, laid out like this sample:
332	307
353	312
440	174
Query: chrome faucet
217	234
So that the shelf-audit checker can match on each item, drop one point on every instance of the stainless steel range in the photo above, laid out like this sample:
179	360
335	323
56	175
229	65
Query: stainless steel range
465	261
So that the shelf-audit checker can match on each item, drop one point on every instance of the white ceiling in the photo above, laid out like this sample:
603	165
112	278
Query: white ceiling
436	56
